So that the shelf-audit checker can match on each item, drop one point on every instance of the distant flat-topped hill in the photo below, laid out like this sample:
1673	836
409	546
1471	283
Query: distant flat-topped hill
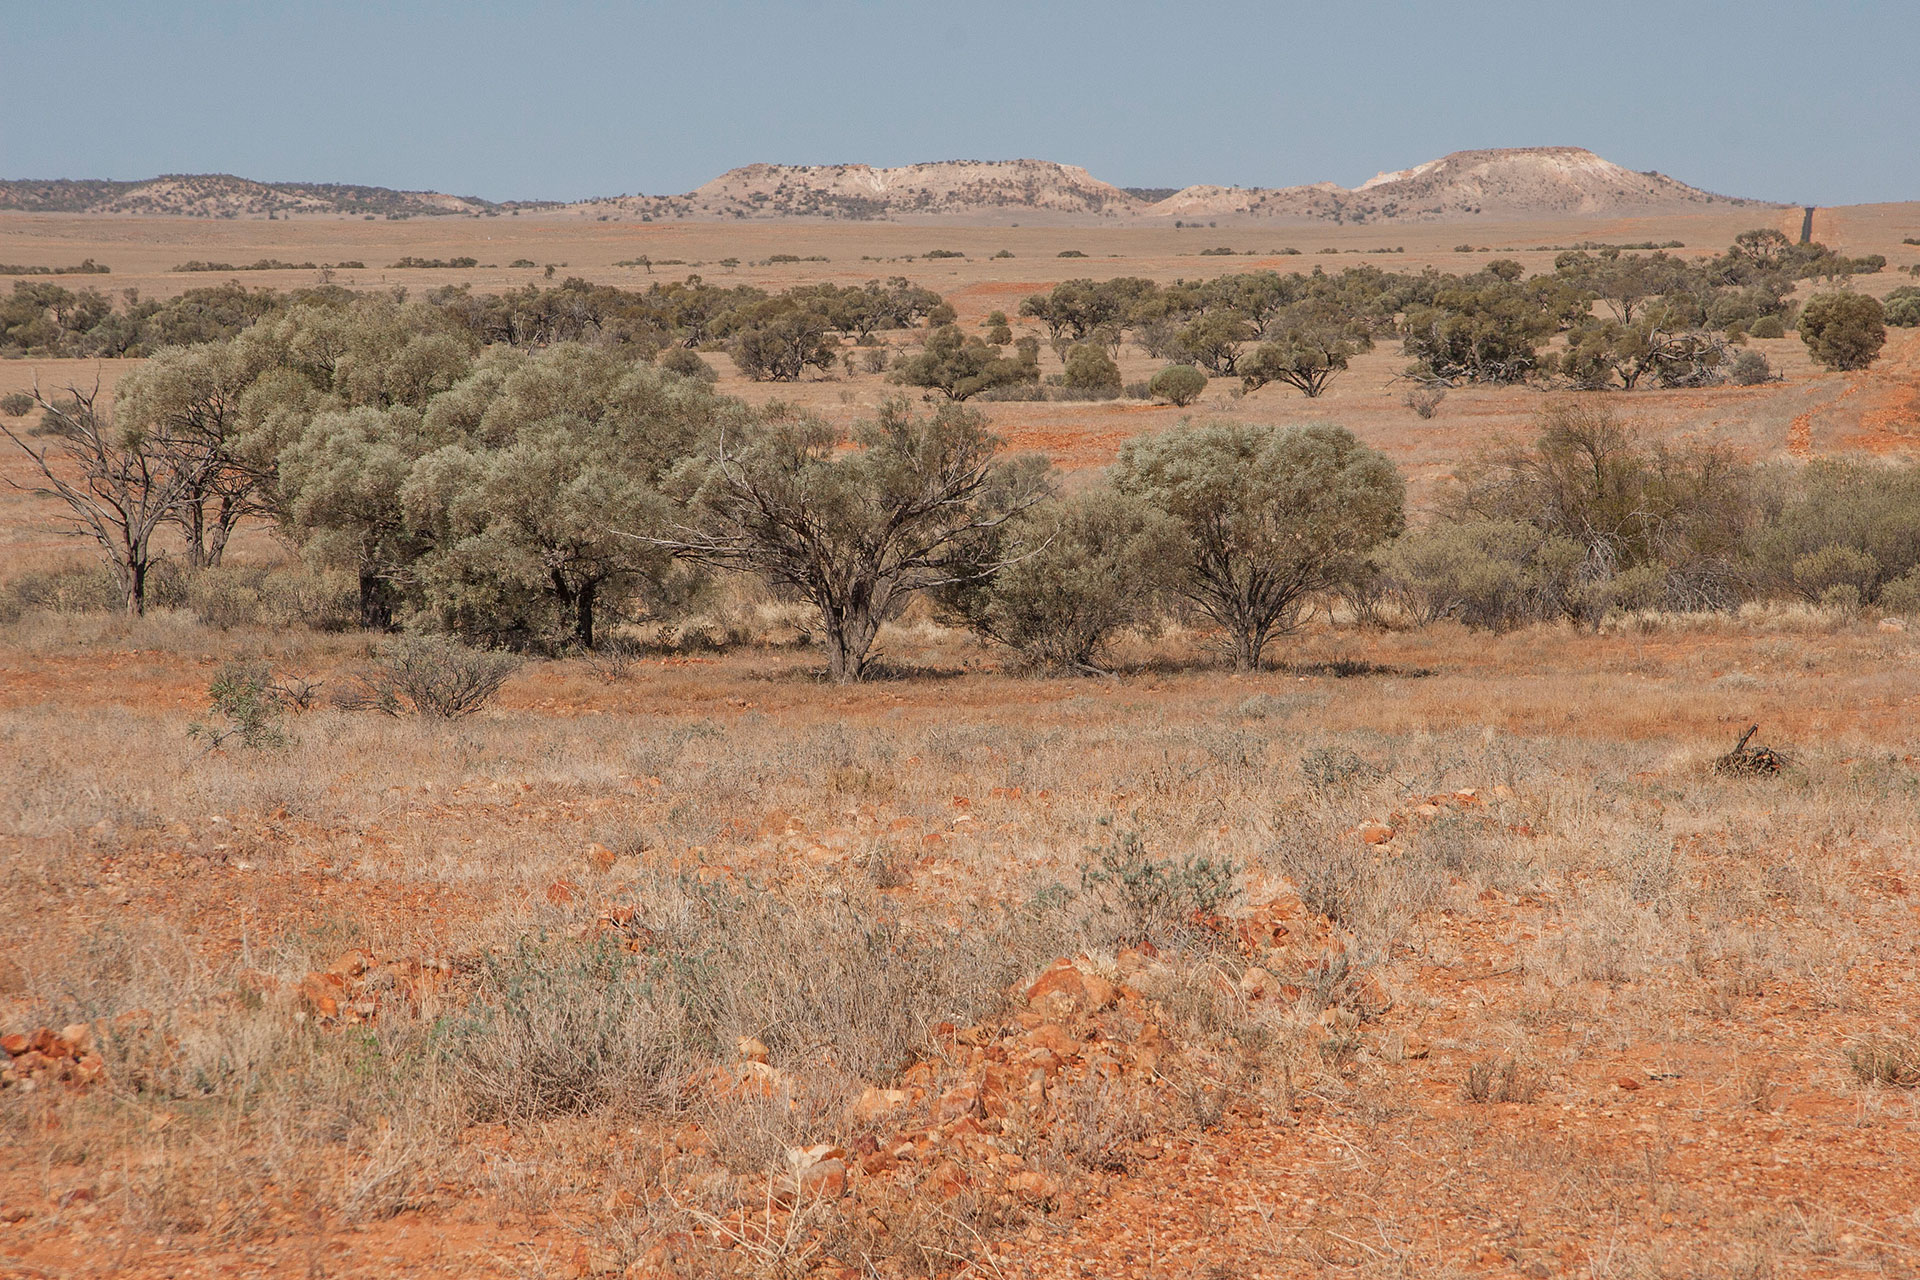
221	195
1510	182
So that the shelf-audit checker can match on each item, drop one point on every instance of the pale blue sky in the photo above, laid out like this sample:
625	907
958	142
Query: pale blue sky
1811	102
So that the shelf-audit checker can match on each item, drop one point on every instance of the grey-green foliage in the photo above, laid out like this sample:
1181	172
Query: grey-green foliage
1178	384
1268	515
1144	898
854	533
433	676
1843	330
1496	574
1076	573
1902	306
551	466
960	365
246	706
1834	523
1091	370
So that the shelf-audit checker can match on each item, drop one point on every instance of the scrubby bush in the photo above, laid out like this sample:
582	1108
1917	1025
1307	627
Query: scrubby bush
1903	307
428	676
1854	523
1493	574
1179	384
1902	594
1843	331
16	404
1424	401
1144	899
1269	516
247	706
687	363
1076	572
1750	369
1768	327
1091	371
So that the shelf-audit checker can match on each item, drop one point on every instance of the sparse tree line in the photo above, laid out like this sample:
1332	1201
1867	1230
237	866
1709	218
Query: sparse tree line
772	337
1599	320
527	499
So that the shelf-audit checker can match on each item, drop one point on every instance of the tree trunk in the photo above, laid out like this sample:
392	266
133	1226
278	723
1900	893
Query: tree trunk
135	582
850	634
376	605
583	613
219	532
193	523
1248	641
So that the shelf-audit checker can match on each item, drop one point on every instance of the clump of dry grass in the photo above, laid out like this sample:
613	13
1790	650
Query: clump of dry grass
1889	1058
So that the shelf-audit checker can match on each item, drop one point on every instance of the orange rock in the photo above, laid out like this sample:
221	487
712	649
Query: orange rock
562	893
600	858
15	1044
1032	1185
1065	989
875	1103
1374	832
1051	1036
1628	1083
351	965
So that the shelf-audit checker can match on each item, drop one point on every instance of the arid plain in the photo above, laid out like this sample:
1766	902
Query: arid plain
1573	1004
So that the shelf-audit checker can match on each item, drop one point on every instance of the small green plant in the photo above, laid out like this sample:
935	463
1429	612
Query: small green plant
249	706
1146	895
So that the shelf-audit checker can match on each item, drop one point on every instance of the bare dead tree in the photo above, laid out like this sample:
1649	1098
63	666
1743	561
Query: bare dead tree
119	488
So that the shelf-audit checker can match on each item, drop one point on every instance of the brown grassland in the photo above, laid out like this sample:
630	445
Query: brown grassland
692	964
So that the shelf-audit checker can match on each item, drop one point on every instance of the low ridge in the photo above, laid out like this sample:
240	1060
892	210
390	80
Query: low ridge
1513	181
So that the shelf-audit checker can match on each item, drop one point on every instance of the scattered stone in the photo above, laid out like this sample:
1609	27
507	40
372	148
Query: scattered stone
1373	832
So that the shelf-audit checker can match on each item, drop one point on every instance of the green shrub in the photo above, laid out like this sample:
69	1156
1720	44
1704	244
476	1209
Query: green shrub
1818	573
1090	369
1903	307
1768	327
1094	565
1750	369
248	706
1179	384
1843	331
687	363
1902	595
1494	574
1144	898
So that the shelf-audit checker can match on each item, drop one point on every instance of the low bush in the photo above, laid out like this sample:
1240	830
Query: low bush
1141	898
428	676
246	707
688	364
1178	384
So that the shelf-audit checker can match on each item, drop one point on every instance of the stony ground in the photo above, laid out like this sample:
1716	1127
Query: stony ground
1586	1007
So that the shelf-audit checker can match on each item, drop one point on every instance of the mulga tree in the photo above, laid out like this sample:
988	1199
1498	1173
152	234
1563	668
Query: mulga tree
858	532
568	446
1268	517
